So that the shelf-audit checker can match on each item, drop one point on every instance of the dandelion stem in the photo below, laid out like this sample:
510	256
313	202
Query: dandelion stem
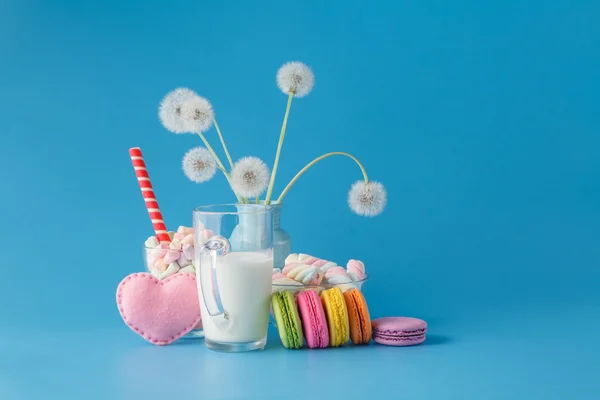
219	163
215	156
257	200
223	143
313	162
281	137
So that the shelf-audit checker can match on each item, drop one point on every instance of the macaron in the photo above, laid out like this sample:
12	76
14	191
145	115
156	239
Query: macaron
358	317
399	331
313	318
337	316
287	318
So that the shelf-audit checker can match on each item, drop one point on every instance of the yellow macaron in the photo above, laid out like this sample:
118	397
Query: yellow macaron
337	316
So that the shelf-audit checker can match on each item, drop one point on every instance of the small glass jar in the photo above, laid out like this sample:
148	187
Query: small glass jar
155	261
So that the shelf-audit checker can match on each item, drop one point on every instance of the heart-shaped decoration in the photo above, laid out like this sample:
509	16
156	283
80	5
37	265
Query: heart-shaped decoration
159	311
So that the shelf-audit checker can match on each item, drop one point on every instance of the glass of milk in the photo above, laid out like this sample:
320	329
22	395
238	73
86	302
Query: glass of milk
234	264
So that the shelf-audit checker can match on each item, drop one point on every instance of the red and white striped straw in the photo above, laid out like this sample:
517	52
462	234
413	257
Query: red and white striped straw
148	193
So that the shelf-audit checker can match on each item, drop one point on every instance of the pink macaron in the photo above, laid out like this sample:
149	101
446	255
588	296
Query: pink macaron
314	323
399	331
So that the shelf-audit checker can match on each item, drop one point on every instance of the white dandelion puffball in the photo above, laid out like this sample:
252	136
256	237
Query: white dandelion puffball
169	111
367	199
199	165
249	177
295	77
197	114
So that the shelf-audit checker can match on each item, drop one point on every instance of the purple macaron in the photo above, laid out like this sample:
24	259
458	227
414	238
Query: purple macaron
399	331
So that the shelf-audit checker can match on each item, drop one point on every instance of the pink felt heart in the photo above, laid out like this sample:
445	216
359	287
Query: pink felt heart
159	311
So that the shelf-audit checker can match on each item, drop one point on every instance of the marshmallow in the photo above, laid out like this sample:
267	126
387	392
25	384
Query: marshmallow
356	269
188	239
183	261
185	229
310	276
319	263
188	251
155	254
276	271
301	257
309	260
159	265
306	259
327	266
171	257
175	245
171	234
292	258
293	269
337	279
336	271
151	257
151	242
172	269
291	266
305	274
179	236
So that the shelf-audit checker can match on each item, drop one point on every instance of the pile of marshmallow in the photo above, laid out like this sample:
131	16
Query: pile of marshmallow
166	259
303	269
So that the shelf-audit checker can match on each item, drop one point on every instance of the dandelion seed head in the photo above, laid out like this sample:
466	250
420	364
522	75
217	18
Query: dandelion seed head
170	109
250	177
295	77
367	199
197	114
199	165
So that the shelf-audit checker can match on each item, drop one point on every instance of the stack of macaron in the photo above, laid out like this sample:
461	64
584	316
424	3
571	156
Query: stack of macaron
333	318
328	319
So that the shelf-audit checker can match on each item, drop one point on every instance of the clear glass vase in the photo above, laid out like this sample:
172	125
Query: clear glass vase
282	241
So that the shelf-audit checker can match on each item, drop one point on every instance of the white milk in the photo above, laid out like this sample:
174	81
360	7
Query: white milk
244	280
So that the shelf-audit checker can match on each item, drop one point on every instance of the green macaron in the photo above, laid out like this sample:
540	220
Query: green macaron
288	320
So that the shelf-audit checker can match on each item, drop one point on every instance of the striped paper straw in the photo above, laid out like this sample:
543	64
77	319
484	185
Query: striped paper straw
148	193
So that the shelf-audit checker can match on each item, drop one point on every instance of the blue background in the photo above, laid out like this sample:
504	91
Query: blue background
481	118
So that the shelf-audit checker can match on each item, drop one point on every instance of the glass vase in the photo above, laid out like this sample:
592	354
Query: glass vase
282	241
243	234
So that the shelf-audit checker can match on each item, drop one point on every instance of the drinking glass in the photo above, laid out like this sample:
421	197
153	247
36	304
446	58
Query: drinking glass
234	264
